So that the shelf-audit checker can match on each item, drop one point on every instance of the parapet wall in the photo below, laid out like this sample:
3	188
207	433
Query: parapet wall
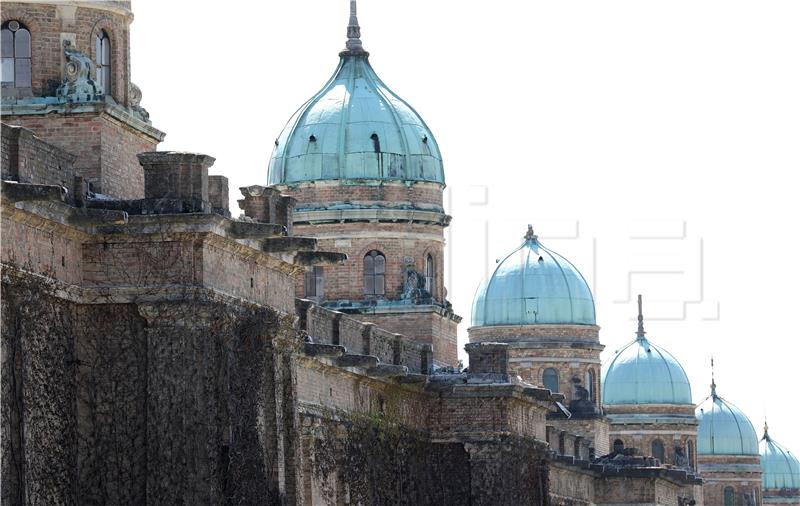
325	326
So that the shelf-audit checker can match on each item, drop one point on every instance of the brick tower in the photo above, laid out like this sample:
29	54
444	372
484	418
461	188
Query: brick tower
728	457
540	304
66	76
367	175
648	400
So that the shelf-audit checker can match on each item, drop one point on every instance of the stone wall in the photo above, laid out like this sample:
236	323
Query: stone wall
742	473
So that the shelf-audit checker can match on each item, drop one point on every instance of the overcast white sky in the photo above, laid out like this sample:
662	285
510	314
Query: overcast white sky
654	144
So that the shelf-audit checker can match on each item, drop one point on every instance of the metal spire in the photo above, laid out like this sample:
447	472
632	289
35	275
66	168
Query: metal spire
353	45
713	383
529	235
640	331
766	430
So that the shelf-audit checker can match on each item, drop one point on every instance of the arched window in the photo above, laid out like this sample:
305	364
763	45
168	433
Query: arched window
730	496
102	46
374	272
315	283
690	453
430	276
16	55
657	447
550	379
590	385
618	446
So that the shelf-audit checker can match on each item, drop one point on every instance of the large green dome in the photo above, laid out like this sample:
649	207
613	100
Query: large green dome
355	128
643	373
780	468
533	285
723	428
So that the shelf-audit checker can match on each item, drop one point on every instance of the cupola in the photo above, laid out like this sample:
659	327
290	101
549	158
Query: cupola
723	428
533	285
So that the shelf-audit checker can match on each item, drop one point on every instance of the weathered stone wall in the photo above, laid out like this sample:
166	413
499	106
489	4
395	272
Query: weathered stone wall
157	403
39	423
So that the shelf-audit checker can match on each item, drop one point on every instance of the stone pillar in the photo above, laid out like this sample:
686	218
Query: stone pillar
267	205
488	358
218	195
181	178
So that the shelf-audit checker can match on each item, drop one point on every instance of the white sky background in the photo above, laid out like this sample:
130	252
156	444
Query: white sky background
654	144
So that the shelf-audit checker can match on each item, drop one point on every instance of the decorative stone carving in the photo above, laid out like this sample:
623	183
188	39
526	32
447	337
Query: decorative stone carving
78	85
135	96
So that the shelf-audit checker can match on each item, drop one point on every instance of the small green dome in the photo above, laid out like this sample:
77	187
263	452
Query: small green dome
533	285
643	373
355	128
724	429
780	468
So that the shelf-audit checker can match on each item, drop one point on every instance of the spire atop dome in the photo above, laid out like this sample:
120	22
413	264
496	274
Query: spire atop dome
766	430
640	331
713	383
529	235
353	46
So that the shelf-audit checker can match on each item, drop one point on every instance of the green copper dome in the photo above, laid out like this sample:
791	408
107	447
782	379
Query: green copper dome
780	468
355	128
723	428
533	285
643	373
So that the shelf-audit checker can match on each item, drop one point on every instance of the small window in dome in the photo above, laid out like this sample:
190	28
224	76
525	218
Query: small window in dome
312	138
376	142
425	139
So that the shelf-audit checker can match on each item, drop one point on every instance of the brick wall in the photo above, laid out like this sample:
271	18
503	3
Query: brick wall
330	327
440	331
28	159
401	243
322	194
50	24
41	246
105	149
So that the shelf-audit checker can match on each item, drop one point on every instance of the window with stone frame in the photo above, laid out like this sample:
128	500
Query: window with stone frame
374	273
102	47
315	283
430	275
590	385
657	447
16	55
550	379
730	496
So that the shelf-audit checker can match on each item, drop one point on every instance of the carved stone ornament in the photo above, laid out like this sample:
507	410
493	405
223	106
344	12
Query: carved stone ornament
78	85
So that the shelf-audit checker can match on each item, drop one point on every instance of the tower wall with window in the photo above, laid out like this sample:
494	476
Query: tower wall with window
73	88
368	178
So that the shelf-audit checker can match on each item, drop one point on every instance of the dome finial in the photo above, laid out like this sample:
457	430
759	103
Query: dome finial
353	46
713	383
640	331
529	235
